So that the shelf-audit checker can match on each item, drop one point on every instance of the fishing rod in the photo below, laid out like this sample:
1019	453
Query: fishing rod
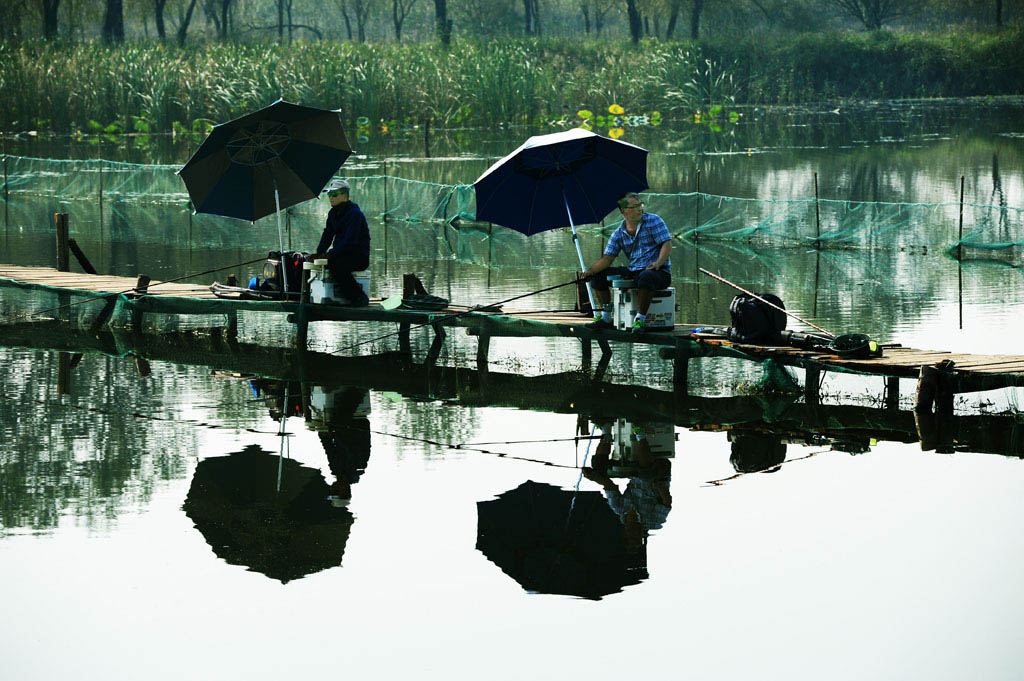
120	293
440	320
769	304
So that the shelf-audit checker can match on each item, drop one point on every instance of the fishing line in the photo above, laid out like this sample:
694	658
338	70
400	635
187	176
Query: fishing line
130	290
441	320
769	304
722	481
520	442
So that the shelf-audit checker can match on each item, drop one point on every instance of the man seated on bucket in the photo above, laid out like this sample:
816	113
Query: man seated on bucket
645	240
345	242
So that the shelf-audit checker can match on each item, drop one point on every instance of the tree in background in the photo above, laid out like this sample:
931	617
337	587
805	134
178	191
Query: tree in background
635	25
183	21
442	23
49	9
876	13
113	22
400	10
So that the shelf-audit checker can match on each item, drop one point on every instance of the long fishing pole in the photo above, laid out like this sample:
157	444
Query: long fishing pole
119	293
768	303
440	320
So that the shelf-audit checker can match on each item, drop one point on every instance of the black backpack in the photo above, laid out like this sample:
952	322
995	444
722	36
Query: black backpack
293	261
755	322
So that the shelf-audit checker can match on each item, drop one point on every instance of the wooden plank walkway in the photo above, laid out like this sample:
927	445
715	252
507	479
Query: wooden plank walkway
961	372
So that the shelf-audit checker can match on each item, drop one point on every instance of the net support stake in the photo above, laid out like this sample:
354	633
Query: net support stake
817	214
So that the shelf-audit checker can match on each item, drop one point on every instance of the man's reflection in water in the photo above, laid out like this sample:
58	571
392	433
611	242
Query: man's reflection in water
344	432
756	451
645	503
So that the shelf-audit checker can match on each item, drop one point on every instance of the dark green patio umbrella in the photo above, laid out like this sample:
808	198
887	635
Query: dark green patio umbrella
271	159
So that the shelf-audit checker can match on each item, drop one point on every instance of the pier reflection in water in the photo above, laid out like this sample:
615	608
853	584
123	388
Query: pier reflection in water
480	487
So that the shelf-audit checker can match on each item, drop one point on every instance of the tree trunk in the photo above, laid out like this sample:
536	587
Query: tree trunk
527	13
999	13
442	23
698	7
672	18
50	18
161	29
396	20
113	22
536	17
348	22
183	29
280	21
634	21
585	9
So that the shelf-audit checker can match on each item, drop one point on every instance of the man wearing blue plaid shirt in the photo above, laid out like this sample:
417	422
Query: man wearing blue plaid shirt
645	240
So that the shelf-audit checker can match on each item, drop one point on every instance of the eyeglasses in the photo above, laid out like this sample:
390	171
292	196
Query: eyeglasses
335	192
630	206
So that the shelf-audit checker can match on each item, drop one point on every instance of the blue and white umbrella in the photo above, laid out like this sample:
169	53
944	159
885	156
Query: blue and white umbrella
560	180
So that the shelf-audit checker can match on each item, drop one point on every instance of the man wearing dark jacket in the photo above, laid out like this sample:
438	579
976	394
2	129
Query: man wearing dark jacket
345	242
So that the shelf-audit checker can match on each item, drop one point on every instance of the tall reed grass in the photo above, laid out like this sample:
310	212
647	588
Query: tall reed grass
158	87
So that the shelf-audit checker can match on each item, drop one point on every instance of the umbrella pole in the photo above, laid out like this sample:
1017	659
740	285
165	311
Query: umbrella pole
280	240
579	252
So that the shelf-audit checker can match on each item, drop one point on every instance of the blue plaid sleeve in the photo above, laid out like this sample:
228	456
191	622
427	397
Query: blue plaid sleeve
614	244
659	230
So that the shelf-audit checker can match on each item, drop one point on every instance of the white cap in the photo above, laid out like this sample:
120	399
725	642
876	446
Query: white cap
336	184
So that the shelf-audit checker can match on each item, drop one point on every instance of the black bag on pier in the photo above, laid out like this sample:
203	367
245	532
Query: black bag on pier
293	261
755	322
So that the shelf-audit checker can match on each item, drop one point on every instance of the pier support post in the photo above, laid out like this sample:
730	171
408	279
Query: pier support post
891	396
64	373
142	367
404	346
104	315
60	223
435	347
141	286
680	372
80	257
680	367
935	388
812	386
588	354
483	346
301	319
606	358
232	325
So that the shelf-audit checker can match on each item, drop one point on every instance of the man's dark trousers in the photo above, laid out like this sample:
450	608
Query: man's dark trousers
341	267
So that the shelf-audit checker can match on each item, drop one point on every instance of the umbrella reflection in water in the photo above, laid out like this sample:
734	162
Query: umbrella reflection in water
235	503
556	541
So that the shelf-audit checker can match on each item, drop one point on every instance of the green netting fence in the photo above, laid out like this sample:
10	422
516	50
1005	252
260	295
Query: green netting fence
150	203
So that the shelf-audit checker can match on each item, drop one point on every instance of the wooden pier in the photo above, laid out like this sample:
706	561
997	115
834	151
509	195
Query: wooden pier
940	375
843	427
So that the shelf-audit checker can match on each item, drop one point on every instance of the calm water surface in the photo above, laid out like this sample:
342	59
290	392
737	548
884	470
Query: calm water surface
427	525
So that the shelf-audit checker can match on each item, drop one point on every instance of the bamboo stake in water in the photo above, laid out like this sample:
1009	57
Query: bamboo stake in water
960	257
817	213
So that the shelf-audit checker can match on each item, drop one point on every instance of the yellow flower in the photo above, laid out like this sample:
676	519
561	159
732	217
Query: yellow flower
616	133
384	128
616	109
